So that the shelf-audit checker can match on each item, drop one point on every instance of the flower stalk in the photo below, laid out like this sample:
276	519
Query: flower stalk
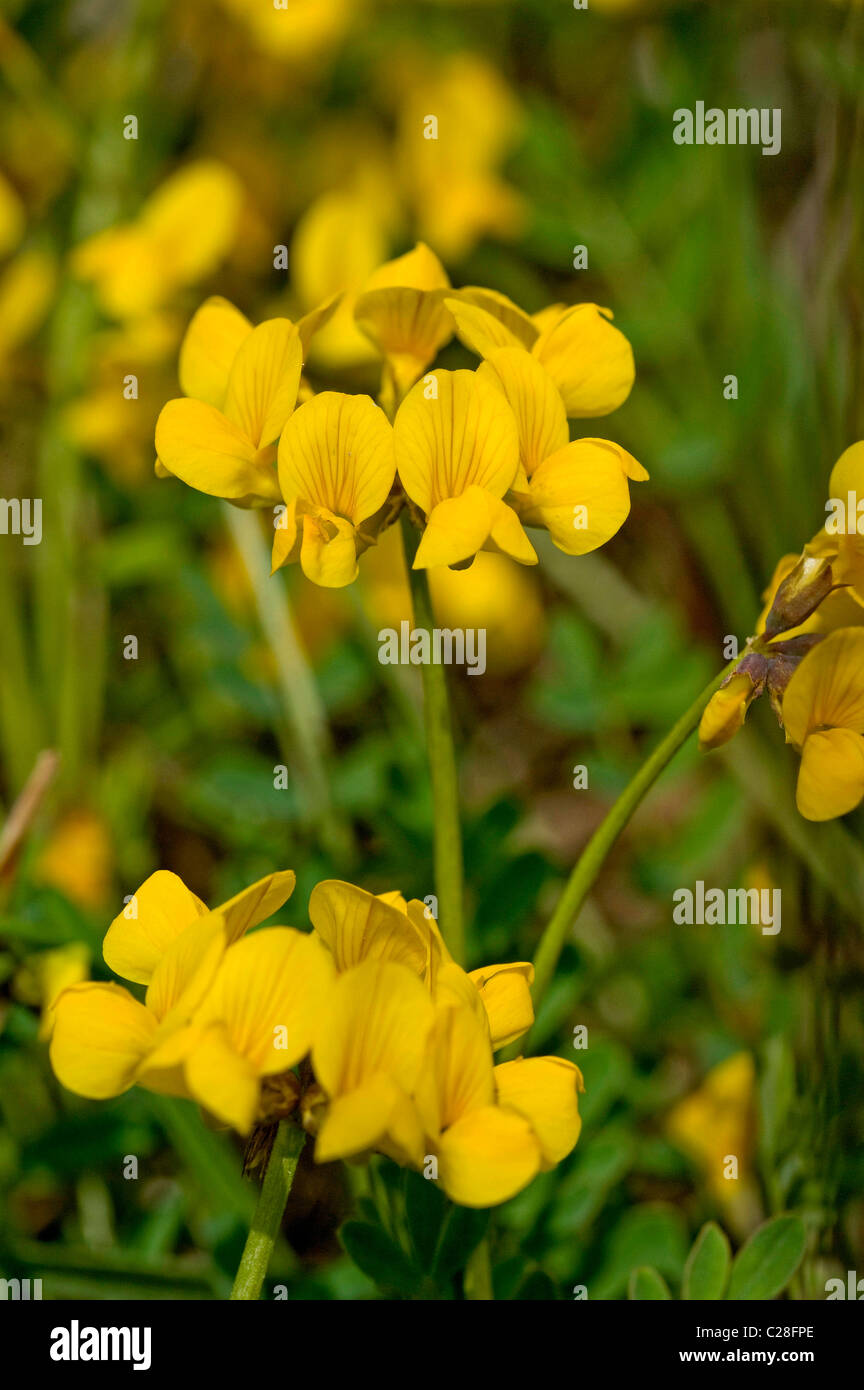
275	1190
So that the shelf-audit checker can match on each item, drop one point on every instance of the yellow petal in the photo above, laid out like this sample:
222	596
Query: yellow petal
101	1034
264	380
355	926
487	1157
457	1075
460	526
580	495
200	446
256	903
222	1080
465	435
506	994
270	994
535	401
209	347
407	326
316	319
725	712
520	324
186	970
831	775
545	1091
337	453
360	1119
589	360
480	330
827	690
328	550
161	909
375	1022
847	475
418	269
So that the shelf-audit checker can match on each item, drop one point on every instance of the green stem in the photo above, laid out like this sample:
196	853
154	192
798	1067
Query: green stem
593	857
477	1282
275	1189
449	887
307	720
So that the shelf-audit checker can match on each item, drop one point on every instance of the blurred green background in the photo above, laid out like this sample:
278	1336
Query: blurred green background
716	261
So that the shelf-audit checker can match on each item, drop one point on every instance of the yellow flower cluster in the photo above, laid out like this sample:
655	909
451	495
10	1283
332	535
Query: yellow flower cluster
808	654
364	1030
475	456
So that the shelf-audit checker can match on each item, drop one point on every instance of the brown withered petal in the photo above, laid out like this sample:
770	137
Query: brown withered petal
799	595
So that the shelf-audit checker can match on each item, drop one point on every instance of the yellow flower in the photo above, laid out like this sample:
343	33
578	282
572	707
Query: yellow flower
78	858
27	287
295	31
577	491
402	311
457	452
227	450
823	711
367	1056
717	1121
726	711
256	1020
452	181
588	359
336	469
105	1040
357	926
492	1129
181	234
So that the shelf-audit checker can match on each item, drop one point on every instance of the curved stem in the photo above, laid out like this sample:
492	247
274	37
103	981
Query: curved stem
593	857
449	877
278	1179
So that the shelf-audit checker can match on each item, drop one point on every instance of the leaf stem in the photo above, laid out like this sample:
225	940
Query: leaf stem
275	1189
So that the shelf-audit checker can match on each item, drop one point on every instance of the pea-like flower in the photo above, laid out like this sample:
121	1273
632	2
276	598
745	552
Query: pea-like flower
823	712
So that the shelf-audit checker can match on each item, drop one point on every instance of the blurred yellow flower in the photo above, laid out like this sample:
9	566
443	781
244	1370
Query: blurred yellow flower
78	858
295	30
181	234
44	976
27	286
500	596
716	1122
12	217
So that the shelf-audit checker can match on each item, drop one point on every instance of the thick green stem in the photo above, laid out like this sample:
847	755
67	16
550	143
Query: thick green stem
275	1189
449	888
304	712
593	857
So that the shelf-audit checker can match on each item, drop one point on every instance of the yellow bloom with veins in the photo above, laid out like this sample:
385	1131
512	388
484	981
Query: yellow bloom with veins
104	1040
401	310
256	1020
457	452
336	469
357	926
229	450
579	492
181	234
588	359
492	1129
823	713
367	1056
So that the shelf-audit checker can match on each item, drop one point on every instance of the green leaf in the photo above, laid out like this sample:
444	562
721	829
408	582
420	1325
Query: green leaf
767	1262
646	1284
707	1267
379	1257
425	1210
462	1234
